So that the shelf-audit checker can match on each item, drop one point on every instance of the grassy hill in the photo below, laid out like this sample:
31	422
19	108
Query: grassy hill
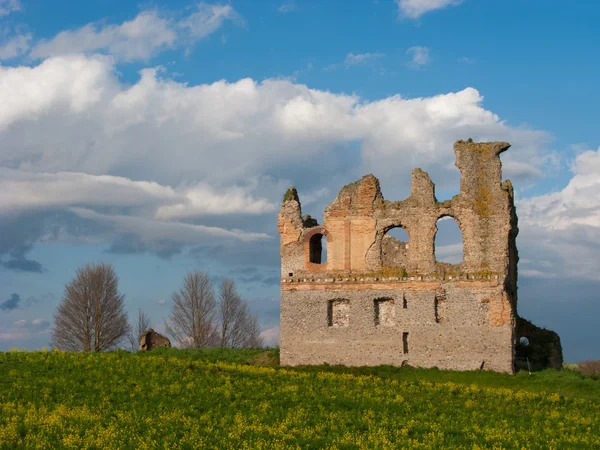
242	399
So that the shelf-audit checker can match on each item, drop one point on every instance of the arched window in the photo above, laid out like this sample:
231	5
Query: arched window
394	247
318	249
448	243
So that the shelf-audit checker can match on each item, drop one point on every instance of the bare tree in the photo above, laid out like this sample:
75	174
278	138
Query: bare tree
238	327
91	316
252	335
231	314
143	325
192	320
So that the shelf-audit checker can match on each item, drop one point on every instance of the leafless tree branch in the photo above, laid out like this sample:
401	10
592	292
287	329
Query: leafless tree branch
143	325
91	316
192	319
238	327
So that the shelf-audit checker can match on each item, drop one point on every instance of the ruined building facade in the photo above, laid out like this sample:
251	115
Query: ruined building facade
151	339
377	300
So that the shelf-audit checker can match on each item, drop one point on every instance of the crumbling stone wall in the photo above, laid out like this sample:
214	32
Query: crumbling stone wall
540	349
151	339
377	300
393	252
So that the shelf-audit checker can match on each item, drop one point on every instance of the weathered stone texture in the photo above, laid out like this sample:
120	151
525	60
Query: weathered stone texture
378	300
151	339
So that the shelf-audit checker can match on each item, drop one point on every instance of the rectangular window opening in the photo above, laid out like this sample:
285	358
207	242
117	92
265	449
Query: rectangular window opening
404	303
385	312
440	308
338	313
405	342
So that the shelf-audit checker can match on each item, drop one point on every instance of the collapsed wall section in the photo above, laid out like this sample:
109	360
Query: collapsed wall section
537	348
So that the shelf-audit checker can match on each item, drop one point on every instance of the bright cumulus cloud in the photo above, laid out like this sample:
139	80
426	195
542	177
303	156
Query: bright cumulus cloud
151	159
564	226
224	131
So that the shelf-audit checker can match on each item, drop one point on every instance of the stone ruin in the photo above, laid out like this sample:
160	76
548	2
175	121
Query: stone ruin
377	300
151	339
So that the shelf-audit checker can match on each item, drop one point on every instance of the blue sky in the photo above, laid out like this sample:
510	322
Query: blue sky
160	136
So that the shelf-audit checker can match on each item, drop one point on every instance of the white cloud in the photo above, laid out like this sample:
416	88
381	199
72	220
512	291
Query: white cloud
534	273
466	60
360	58
271	336
74	83
208	19
152	209
24	329
287	7
21	190
156	231
34	325
452	253
139	39
79	141
15	46
318	194
71	114
564	227
413	9
577	204
419	56
204	199
9	6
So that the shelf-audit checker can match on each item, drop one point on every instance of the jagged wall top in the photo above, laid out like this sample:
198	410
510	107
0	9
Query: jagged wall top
357	220
361	196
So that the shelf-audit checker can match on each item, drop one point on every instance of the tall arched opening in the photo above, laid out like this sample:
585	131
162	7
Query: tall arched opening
448	243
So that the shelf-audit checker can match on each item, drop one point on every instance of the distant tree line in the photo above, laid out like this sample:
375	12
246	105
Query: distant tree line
92	318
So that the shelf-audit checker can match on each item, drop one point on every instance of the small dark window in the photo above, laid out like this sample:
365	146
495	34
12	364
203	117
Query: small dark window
404	303
318	249
405	342
291	274
436	306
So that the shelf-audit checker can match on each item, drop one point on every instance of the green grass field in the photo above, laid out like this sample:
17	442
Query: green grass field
242	399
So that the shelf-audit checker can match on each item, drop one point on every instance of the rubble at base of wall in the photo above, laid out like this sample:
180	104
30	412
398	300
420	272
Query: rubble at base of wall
541	350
